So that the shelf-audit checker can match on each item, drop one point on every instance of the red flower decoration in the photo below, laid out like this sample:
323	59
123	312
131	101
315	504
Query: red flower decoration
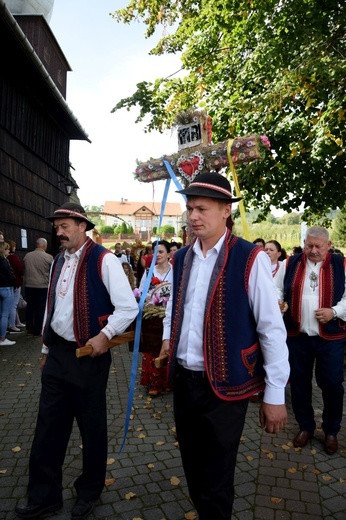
155	281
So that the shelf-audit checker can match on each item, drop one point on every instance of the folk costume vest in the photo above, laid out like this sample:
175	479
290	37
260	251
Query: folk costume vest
91	301
232	355
331	287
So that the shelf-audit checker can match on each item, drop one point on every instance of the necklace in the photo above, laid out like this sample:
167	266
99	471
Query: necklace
67	275
313	280
166	274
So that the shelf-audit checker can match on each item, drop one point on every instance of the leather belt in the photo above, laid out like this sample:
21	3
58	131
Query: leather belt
190	374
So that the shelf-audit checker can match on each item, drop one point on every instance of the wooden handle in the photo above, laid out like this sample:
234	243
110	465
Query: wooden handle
161	361
114	342
84	351
122	338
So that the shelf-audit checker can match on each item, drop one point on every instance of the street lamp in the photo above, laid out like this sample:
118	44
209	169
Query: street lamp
70	185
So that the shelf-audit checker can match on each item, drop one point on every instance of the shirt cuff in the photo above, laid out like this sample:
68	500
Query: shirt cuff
274	395
108	331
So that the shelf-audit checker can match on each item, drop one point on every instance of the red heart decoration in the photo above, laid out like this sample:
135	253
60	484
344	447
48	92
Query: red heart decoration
190	166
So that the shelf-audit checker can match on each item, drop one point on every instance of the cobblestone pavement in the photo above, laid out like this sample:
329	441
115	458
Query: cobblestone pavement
274	481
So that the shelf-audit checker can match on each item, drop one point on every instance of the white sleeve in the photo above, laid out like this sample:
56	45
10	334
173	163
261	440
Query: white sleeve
340	307
168	317
121	295
279	280
270	328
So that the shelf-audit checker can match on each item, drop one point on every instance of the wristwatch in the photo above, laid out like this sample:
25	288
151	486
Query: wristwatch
334	314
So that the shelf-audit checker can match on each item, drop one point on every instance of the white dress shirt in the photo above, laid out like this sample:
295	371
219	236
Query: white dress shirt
117	285
310	297
264	304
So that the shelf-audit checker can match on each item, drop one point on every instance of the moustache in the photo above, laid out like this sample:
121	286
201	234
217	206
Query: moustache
63	238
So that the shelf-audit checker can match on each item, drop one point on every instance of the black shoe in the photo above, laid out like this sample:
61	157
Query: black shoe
32	511
15	330
82	509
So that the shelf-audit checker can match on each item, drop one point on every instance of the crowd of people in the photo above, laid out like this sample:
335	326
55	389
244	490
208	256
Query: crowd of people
33	273
241	321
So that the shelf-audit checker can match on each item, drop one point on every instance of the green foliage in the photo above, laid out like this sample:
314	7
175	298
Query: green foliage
130	231
290	219
117	230
123	228
109	230
339	234
154	230
94	214
258	66
167	229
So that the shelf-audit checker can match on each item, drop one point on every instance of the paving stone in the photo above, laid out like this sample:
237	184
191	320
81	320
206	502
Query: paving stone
315	490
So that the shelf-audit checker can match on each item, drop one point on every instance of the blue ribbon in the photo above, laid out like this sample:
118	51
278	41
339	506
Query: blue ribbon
174	177
139	325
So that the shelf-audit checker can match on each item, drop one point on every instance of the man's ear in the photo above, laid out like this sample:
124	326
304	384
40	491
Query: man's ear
228	210
83	226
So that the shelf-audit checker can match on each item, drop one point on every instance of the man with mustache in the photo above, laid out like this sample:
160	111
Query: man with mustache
313	285
83	306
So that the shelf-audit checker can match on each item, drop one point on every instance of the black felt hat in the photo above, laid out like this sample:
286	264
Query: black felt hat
211	185
72	210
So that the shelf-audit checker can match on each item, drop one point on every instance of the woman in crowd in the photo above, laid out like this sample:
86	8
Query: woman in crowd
259	242
7	284
152	377
273	250
129	273
17	266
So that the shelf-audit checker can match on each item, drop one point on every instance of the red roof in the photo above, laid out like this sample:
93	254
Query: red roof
129	208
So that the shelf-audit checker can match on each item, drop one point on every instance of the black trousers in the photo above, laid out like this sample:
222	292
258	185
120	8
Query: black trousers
36	303
208	431
327	356
71	388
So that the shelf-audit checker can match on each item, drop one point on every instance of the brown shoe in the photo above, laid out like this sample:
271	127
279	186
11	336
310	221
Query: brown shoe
330	444
302	438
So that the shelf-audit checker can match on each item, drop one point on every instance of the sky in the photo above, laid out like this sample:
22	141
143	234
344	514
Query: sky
107	60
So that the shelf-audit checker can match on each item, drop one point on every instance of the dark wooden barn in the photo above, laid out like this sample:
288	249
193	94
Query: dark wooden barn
36	126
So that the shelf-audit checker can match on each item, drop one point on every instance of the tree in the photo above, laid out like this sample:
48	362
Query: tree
167	228
95	217
123	228
339	233
258	66
290	219
107	230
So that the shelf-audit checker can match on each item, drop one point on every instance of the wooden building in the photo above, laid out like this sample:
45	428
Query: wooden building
36	126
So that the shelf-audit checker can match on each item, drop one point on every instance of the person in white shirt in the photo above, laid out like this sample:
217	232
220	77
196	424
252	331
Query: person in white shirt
225	338
313	286
118	252
273	250
83	306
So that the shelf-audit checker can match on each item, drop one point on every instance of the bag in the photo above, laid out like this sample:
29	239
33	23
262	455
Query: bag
21	303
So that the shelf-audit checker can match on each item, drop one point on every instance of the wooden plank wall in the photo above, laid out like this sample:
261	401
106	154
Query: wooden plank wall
34	157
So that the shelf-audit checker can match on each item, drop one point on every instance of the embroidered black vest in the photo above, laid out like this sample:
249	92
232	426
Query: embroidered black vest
331	287
91	301
232	354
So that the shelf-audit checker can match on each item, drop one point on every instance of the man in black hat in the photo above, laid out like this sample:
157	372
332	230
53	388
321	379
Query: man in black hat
225	338
82	307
